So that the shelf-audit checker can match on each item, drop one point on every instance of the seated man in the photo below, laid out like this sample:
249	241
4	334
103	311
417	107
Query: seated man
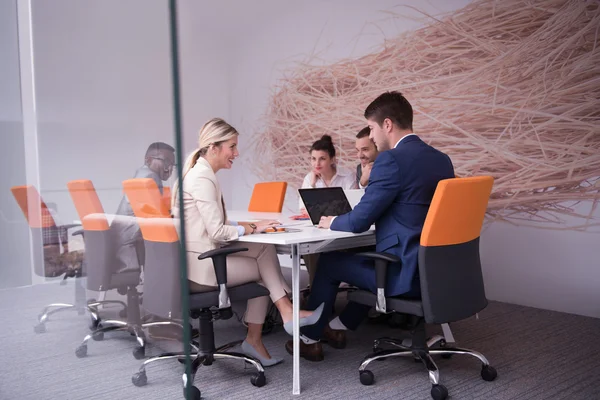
401	186
158	165
367	153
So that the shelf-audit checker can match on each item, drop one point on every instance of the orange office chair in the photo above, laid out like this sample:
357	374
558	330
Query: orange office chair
102	268
163	288
450	275
49	260
268	197
166	197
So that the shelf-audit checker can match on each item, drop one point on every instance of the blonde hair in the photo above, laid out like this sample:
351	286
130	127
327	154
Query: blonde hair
213	133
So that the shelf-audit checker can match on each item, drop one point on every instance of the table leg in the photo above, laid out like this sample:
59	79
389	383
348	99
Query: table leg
296	317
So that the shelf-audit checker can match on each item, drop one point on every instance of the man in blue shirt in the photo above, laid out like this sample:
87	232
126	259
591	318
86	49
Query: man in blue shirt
401	186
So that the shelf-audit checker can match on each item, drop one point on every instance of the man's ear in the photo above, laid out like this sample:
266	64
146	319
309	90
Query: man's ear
387	125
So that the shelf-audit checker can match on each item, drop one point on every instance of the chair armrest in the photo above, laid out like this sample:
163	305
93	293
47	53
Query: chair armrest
380	256
224	251
79	232
219	258
69	226
381	263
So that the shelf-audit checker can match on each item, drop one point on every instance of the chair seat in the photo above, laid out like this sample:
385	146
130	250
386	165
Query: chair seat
396	304
130	277
236	293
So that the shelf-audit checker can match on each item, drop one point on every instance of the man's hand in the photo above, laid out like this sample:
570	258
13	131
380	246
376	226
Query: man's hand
366	173
325	222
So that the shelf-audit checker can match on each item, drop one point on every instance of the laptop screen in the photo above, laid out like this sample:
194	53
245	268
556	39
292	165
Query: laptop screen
324	201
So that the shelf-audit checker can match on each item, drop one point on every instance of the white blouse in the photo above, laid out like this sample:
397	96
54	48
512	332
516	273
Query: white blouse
344	178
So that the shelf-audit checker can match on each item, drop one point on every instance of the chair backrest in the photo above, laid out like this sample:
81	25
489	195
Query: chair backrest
166	197
86	201
449	265
145	194
38	218
268	197
32	206
162	285
100	249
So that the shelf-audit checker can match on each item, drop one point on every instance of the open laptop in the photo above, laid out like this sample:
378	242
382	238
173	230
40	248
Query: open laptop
330	201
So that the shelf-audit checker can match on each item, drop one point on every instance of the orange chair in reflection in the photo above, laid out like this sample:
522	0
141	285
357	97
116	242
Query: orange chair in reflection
51	257
166	198
102	269
268	197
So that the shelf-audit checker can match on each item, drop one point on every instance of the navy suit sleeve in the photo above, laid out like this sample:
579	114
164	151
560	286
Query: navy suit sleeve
384	184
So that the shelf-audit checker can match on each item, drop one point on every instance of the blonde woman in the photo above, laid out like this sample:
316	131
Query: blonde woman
207	228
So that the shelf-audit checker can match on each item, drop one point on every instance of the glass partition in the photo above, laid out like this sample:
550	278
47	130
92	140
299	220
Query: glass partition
91	289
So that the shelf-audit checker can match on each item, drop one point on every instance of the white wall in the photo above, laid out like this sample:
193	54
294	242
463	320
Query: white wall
103	76
557	270
552	269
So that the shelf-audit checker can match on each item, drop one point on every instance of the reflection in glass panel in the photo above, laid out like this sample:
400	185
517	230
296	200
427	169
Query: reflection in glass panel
87	108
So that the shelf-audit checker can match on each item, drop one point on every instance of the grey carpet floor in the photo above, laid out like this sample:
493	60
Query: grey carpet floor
538	354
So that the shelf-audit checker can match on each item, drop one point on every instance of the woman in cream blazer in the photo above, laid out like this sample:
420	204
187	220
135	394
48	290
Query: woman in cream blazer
207	228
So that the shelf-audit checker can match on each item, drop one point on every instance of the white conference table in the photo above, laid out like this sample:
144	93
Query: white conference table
309	240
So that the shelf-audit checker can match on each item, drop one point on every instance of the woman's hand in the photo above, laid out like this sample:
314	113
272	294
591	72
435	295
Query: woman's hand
264	224
314	178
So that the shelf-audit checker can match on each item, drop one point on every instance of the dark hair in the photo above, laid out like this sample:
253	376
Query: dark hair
324	144
364	132
391	105
157	146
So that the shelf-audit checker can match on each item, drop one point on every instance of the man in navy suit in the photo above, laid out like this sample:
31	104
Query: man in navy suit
401	186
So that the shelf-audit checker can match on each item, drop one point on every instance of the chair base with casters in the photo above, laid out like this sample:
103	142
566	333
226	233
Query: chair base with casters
204	347
421	349
132	325
81	305
418	347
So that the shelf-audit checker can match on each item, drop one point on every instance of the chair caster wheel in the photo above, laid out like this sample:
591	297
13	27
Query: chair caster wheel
366	377
81	351
39	328
139	379
139	353
194	394
123	313
95	324
258	380
488	373
439	392
98	336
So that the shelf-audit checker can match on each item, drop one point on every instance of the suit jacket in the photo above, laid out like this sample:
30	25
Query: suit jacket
205	220
127	231
401	187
